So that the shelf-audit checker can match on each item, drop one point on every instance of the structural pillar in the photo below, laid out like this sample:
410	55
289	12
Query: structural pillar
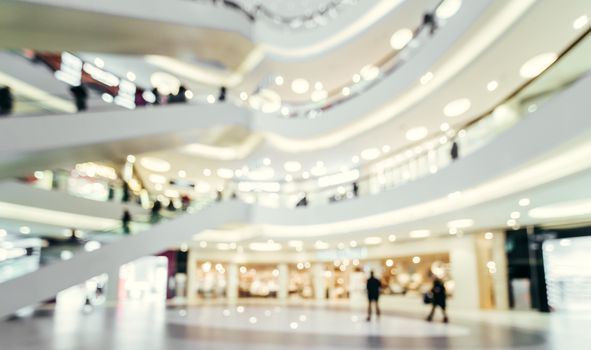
283	291
191	276
112	293
319	281
232	275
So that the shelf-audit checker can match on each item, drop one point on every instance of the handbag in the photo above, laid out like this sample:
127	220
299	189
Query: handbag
427	298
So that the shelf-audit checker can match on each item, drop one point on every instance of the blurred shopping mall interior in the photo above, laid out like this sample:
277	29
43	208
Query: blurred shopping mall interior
227	174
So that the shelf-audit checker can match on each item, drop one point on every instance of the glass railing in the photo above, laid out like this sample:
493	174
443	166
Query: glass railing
117	91
258	11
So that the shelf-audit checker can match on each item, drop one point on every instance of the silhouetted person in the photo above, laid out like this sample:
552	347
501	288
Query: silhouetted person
373	294
80	95
125	196
155	213
355	189
6	101
303	202
186	202
218	196
454	152
429	21
171	206
222	96
156	96
125	220
439	297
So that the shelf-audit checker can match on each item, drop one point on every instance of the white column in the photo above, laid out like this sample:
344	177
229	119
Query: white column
319	282
232	275
192	276
464	271
283	291
112	293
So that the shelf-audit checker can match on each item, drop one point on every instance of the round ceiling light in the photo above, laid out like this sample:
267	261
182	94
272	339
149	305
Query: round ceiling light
155	164
300	86
562	210
265	246
370	153
319	95
225	173
419	233
416	134
457	107
460	223
400	38
292	166
370	72
267	101
537	64
448	8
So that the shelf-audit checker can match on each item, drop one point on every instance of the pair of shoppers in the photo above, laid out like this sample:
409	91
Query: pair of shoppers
436	297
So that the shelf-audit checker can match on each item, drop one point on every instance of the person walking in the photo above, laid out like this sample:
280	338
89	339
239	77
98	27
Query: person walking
155	213
373	294
125	220
438	299
80	95
6	101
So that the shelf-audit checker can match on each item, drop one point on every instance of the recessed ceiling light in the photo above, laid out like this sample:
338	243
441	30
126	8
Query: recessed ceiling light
155	164
580	22
279	80
444	127
356	78
511	222
492	85
182	174
300	86
392	238
225	173
370	153
427	77
265	246
416	259
189	94
372	240
353	244
267	161
319	95
243	96
305	175
537	64
318	170
210	99
131	76
386	148
131	158
457	107
207	172
370	72
318	85
448	8
489	235
288	178
460	223
562	210
99	62
25	230
417	133
157	179
419	233
524	202
346	91
292	166
400	38
515	215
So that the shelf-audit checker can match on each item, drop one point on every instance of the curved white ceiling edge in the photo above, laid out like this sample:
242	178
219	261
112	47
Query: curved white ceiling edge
323	44
218	18
474	47
470	51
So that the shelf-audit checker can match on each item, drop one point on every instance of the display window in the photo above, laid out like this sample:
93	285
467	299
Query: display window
261	281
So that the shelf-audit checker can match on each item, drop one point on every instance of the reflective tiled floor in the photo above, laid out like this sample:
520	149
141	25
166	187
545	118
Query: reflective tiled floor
275	326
